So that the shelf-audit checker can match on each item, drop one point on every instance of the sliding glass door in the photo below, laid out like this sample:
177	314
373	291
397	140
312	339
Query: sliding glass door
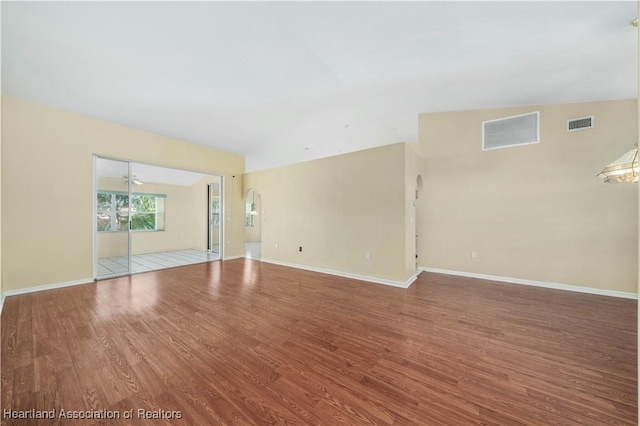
112	217
151	217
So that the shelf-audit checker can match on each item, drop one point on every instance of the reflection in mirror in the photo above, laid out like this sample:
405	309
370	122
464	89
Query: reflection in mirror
167	220
112	217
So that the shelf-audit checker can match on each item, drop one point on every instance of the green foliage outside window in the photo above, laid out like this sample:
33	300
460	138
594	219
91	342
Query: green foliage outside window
144	213
113	212
104	212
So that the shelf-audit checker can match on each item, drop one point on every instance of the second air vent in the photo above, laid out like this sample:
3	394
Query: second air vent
581	123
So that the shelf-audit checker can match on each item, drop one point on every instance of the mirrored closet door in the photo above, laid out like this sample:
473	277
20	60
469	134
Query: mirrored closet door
112	219
151	217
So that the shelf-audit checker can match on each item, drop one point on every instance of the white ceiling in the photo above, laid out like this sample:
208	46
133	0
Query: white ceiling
290	81
146	173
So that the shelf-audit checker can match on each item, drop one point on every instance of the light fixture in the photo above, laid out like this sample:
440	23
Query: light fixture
253	211
134	181
625	169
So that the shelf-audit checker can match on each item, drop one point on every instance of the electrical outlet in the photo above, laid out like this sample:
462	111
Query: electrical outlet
300	248
474	255
276	245
367	256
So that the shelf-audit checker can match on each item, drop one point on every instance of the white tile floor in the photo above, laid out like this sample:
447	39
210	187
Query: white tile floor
154	261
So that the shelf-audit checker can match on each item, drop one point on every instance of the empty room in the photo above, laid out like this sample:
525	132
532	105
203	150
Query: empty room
384	213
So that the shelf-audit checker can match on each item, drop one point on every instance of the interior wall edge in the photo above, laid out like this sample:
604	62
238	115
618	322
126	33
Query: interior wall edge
533	283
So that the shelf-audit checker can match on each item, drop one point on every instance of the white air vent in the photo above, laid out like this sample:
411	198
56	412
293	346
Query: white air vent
580	123
511	131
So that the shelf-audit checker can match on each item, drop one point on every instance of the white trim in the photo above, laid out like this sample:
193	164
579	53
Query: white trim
94	211
411	279
223	218
129	217
47	287
240	256
401	284
556	286
2	303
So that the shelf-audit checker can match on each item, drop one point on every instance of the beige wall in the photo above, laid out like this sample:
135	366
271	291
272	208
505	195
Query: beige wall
638	189
233	217
253	234
1	281
47	171
337	209
535	212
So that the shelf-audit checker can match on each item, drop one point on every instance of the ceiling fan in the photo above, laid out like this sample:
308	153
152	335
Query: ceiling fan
134	181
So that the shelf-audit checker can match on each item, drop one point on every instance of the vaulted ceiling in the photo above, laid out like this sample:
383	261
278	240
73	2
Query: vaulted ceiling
283	82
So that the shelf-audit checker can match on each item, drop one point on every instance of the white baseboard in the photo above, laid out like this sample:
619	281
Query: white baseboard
2	303
401	284
240	256
411	279
544	284
47	287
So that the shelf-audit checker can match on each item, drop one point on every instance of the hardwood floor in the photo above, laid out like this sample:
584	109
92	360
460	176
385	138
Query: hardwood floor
250	343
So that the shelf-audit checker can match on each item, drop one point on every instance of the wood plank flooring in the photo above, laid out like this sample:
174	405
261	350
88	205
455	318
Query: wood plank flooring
244	342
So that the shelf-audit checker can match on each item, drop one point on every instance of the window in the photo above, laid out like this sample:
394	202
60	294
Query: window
147	212
248	217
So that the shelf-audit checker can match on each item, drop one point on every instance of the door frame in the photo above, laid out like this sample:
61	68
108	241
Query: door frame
220	217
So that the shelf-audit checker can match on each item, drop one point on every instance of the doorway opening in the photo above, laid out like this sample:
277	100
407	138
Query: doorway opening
253	224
